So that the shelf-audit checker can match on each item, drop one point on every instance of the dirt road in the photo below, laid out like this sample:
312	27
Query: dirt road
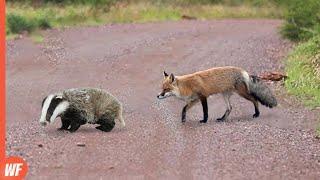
128	61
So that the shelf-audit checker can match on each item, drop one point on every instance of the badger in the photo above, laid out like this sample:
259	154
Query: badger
79	106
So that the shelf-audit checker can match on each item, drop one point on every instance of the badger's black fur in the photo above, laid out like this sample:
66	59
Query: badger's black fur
79	106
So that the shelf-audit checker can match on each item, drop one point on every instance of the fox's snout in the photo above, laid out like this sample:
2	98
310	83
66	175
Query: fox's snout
167	86
161	95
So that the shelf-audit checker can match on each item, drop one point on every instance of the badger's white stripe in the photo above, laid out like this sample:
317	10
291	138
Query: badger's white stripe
59	109
45	108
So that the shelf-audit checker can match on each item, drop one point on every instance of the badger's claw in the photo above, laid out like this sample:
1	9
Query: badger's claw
43	123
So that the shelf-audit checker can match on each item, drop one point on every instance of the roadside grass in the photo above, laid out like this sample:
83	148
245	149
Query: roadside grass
36	37
243	11
142	12
303	70
11	36
23	17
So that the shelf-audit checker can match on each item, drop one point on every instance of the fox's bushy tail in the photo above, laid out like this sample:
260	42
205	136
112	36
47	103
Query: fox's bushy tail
262	92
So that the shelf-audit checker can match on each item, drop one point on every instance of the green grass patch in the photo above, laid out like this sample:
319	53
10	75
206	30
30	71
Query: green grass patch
303	69
27	17
18	23
241	11
11	36
36	37
150	12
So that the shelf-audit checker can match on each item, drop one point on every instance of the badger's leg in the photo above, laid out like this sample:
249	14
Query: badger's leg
106	123
76	119
226	97
65	123
120	116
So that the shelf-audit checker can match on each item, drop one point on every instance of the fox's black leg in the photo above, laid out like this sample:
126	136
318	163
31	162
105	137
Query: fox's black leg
204	108
226	97
243	91
187	107
106	123
74	126
256	109
65	123
184	113
225	115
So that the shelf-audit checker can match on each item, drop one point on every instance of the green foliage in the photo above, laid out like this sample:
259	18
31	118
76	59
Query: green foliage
158	2
302	20
66	2
44	23
214	2
56	13
303	64
18	24
303	72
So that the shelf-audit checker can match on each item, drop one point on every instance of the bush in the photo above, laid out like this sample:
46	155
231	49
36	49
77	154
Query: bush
302	20
43	23
18	24
43	14
206	2
304	72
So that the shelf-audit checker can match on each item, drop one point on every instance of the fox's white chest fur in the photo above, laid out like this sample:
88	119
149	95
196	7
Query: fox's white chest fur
185	98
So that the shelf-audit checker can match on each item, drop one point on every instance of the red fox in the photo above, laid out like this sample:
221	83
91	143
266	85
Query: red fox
198	86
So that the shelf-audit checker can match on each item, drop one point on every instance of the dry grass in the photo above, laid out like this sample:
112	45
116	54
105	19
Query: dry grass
74	15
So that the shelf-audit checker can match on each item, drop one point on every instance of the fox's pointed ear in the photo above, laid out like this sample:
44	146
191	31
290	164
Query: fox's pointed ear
172	77
165	74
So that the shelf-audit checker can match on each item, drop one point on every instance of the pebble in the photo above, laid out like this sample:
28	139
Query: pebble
81	144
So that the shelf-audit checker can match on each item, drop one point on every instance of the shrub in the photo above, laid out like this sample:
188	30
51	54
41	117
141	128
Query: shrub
43	23
90	2
302	20
18	24
303	71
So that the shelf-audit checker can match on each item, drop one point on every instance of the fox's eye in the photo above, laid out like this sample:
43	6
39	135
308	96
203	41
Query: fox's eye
166	89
